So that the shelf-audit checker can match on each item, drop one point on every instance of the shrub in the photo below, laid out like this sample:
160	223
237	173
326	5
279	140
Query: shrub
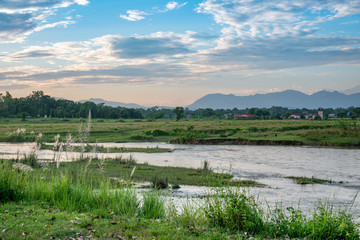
159	182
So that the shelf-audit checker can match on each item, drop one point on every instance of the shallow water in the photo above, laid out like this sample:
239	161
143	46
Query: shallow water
265	164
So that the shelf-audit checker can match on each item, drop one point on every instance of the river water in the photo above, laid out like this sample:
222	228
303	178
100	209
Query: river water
264	164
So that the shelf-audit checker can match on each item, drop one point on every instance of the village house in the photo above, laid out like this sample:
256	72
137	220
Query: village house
295	116
243	116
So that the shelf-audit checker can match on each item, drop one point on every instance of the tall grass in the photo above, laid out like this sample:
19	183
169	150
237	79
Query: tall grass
235	210
153	205
11	183
69	190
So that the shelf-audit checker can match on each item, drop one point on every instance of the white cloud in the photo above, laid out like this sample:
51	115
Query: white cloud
174	5
114	48
253	18
20	18
134	15
20	6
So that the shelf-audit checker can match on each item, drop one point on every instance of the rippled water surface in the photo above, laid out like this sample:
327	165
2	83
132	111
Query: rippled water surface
265	164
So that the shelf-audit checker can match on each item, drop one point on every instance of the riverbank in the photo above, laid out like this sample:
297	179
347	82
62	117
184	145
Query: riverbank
261	142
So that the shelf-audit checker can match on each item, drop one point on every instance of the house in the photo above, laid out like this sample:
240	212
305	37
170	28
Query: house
309	116
243	116
332	115
316	116
295	116
321	113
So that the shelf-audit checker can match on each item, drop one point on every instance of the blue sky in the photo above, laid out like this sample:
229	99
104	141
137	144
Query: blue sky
161	52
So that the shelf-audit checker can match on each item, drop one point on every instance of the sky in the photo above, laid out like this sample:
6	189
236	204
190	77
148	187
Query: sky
171	53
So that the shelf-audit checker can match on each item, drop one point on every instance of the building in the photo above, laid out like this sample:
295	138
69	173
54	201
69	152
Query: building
321	113
243	116
295	116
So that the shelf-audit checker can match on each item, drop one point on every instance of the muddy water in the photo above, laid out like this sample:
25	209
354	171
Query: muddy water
265	164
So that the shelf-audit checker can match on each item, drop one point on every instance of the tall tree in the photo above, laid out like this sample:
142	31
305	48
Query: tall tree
179	111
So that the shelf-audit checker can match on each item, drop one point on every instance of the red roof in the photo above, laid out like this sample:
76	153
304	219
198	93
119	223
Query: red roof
244	116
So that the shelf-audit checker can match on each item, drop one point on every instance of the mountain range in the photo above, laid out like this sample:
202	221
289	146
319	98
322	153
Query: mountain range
288	98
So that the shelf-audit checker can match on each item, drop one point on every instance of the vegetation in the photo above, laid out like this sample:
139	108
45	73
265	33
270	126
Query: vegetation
63	204
307	180
100	149
333	133
179	111
120	169
37	104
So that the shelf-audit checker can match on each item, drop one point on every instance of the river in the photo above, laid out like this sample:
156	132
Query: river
265	164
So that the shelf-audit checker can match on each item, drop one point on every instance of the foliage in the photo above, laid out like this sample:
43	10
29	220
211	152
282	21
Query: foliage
37	104
179	111
159	182
306	180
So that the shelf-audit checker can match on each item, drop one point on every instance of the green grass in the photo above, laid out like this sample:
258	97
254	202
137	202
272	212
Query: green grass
70	203
122	168
334	133
100	149
307	180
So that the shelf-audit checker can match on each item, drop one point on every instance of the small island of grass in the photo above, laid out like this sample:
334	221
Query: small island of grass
121	169
307	180
101	149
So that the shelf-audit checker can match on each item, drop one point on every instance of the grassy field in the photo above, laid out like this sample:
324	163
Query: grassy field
334	133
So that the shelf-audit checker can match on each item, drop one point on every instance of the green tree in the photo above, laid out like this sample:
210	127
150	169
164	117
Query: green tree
23	116
179	111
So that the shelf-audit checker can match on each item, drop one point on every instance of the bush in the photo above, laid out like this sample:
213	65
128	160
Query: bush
159	182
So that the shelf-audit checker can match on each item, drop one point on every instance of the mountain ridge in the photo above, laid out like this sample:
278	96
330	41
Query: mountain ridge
287	98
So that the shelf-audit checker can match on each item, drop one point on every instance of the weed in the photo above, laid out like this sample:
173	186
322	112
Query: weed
206	166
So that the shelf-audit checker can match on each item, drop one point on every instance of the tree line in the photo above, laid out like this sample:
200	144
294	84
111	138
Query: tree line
37	104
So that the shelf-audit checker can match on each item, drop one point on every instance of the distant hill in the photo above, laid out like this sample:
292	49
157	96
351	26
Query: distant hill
119	104
288	98
112	104
353	90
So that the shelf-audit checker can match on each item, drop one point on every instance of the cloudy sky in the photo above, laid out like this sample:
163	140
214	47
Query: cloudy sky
161	52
